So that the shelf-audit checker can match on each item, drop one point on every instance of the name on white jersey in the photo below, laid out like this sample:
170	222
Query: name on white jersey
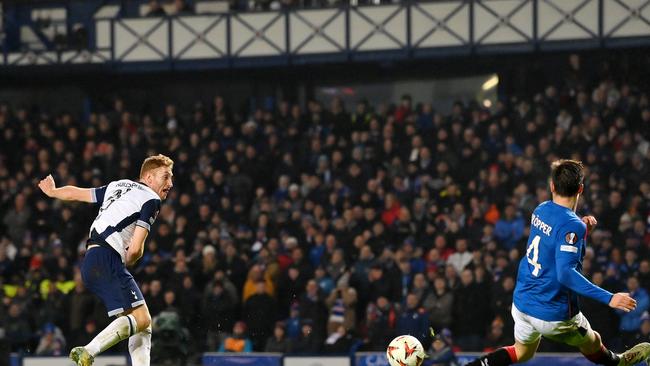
130	185
535	221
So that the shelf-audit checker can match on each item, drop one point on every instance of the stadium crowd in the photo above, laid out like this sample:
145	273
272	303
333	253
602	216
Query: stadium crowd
327	228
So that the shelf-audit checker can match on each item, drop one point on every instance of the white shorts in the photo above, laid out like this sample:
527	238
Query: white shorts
529	329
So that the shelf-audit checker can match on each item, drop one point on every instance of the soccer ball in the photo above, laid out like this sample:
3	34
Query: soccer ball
405	350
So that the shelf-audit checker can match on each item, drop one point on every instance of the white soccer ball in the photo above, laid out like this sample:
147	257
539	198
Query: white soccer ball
405	350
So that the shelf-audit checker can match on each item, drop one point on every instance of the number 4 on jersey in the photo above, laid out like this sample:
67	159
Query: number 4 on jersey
534	247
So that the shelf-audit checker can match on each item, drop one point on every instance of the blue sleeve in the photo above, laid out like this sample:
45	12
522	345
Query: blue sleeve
222	348
98	194
148	213
568	255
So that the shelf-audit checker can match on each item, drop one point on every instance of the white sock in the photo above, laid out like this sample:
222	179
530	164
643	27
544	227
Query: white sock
140	348
119	329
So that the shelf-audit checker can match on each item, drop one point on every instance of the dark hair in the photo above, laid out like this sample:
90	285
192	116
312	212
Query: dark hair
567	176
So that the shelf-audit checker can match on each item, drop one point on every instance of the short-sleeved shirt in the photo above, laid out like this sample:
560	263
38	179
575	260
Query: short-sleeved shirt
125	204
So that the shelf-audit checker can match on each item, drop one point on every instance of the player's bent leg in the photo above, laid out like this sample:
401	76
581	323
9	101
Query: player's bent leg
104	275
140	343
595	351
140	348
577	332
119	329
592	343
519	352
142	317
525	351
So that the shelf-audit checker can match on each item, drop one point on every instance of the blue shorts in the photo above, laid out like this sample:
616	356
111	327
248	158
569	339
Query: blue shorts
105	275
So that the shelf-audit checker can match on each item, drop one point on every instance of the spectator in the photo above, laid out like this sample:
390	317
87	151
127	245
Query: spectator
404	109
218	312
308	342
16	219
182	8
420	286
413	319
496	337
155	299
155	9
312	308
644	274
462	257
291	286
256	275
441	352
338	342
438	304
206	269
86	335
336	266
294	322
278	342
52	342
631	321
170	302
380	324
52	308
509	229
258	312
17	329
325	283
378	285
238	341
342	308
467	321
188	303
643	335
600	316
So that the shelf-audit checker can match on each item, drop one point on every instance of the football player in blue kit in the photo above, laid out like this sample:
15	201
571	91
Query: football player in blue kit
545	301
116	240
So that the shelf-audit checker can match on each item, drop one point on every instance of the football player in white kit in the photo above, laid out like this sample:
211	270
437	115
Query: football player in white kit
116	240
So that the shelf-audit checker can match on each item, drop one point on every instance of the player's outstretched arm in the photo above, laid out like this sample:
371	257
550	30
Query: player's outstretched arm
136	248
567	259
66	193
622	301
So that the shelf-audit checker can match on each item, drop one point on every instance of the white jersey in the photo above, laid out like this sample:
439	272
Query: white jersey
124	204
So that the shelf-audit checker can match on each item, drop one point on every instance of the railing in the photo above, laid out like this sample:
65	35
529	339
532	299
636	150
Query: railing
410	30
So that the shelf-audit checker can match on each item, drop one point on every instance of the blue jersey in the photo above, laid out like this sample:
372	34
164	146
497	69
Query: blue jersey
550	278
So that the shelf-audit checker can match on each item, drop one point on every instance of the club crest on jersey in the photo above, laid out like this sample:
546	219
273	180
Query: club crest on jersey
571	238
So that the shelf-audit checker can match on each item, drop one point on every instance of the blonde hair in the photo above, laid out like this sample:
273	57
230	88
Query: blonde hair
154	162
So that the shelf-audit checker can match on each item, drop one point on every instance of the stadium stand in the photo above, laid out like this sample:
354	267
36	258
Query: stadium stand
328	228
